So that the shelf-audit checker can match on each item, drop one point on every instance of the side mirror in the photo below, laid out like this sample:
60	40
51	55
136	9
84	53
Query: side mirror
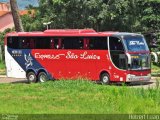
154	57
129	58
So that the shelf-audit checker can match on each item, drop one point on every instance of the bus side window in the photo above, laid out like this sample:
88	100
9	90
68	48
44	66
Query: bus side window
31	43
56	44
13	42
52	43
60	44
81	43
86	43
43	43
98	43
26	43
72	43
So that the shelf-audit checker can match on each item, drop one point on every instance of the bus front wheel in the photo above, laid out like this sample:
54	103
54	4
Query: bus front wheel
42	77
31	77
105	78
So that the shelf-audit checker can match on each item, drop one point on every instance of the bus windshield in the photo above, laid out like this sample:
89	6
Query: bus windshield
135	43
140	62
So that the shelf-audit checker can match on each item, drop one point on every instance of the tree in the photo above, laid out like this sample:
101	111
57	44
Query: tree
150	17
16	16
101	15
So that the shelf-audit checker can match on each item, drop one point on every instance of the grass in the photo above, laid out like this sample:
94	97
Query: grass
2	68
77	97
2	65
155	70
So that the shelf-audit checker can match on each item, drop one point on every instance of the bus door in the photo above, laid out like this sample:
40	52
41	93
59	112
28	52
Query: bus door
118	58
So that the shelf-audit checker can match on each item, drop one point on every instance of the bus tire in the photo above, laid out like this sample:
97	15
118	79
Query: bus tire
104	78
31	77
42	77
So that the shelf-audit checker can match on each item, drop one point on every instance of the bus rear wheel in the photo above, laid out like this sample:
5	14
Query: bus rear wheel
42	77
31	77
105	79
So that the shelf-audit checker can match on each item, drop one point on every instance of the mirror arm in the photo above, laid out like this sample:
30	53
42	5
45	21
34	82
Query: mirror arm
129	58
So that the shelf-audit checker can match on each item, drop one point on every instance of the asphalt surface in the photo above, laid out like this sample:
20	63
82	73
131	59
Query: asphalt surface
4	79
153	83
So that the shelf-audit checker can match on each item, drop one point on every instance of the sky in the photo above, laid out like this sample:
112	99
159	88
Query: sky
22	4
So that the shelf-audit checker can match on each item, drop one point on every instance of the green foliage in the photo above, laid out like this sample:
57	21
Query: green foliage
23	3
101	15
155	70
158	41
2	65
150	15
2	68
2	35
77	97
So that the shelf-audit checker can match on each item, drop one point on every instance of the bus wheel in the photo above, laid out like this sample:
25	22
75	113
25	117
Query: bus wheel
31	77
105	78
42	77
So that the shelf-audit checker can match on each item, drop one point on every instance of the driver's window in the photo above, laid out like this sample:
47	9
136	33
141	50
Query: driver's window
115	44
117	53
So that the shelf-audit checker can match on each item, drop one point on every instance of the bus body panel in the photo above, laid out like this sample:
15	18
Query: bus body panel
21	61
13	68
73	63
68	63
140	73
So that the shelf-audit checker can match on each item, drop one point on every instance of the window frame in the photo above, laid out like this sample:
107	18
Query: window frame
84	46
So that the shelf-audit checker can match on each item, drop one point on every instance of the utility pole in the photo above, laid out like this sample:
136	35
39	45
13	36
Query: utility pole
16	16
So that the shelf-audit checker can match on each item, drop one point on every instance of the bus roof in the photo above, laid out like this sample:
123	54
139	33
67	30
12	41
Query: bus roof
70	32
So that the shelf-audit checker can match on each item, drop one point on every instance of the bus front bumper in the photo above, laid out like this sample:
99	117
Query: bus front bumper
134	78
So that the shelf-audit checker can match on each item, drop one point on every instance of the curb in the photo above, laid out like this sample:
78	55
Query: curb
3	76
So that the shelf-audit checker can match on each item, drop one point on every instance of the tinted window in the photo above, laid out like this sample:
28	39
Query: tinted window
46	43
26	43
115	44
117	53
32	43
98	43
93	43
42	43
13	42
72	43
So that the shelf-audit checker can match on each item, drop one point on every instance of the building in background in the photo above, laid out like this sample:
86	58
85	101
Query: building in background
5	6
6	18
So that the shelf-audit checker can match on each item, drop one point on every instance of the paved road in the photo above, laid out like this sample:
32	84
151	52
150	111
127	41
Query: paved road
150	84
4	79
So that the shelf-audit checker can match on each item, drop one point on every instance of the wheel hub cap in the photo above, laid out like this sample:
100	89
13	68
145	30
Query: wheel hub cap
31	77
105	79
42	78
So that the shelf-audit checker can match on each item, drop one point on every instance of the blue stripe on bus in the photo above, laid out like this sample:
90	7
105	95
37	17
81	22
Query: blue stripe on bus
25	59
